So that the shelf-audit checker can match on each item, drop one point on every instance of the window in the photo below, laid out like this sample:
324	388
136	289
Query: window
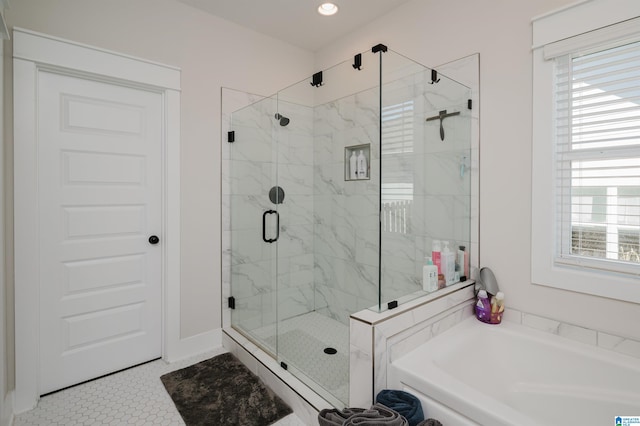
597	140
397	179
586	149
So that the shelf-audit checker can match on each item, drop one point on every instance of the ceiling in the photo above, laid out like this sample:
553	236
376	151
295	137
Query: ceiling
297	21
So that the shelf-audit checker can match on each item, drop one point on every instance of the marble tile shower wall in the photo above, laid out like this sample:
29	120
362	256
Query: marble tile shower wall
346	218
346	212
256	164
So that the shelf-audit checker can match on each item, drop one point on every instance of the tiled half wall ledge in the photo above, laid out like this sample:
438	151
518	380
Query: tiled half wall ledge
377	339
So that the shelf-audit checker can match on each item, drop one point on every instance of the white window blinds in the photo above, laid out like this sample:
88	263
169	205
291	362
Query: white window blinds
397	152
597	130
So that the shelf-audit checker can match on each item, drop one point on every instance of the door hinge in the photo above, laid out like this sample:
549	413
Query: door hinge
232	302
392	305
284	365
316	79
469	104
231	136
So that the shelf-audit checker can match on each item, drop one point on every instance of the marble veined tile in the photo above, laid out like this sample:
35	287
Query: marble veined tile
619	344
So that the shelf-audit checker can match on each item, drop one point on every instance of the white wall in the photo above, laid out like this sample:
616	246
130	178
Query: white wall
211	53
435	32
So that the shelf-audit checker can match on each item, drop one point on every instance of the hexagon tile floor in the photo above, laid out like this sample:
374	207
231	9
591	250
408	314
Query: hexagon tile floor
131	397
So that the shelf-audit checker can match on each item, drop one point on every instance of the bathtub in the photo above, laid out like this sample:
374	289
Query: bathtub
512	375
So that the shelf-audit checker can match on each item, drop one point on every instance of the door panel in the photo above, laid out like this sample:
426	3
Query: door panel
253	261
99	178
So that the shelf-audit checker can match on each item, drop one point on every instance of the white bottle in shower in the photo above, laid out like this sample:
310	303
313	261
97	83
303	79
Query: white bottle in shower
429	276
362	166
448	264
353	166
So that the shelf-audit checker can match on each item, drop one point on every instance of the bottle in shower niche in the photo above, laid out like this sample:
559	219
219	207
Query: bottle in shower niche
435	255
362	165
448	264
429	275
353	166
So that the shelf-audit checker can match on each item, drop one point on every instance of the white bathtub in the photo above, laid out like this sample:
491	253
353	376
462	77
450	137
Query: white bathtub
513	375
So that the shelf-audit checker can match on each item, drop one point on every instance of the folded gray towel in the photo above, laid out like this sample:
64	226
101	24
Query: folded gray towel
334	417
377	415
430	422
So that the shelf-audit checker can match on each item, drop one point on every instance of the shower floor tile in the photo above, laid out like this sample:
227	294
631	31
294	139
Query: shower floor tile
301	343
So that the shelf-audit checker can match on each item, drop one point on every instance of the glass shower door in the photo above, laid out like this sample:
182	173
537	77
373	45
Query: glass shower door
254	223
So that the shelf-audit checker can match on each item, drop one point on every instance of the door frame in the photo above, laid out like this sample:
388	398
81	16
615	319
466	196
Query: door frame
35	52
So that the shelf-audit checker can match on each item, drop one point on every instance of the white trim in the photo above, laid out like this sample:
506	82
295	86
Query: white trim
171	217
7	410
4	31
6	400
30	52
46	49
627	31
25	237
570	21
581	17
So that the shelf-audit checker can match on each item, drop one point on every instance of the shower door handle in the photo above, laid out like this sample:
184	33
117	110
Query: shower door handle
264	226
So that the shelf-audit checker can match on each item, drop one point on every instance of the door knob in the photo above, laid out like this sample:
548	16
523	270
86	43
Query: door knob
154	239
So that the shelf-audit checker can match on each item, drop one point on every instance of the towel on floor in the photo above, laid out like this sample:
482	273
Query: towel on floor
430	422
377	415
404	403
334	417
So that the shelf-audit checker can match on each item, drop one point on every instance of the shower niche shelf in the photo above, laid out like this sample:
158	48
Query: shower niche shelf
353	159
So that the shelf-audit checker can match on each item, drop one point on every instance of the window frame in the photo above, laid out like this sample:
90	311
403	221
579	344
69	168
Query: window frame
568	29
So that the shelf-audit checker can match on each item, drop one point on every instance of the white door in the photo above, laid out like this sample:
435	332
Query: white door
99	178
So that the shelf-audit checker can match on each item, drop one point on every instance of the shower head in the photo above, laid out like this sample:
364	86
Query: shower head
283	120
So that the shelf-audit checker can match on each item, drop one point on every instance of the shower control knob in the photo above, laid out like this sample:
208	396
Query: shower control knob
154	239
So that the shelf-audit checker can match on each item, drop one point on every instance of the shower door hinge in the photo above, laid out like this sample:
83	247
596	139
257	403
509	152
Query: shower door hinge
316	80
434	77
469	104
284	365
231	136
357	62
232	302
392	305
379	48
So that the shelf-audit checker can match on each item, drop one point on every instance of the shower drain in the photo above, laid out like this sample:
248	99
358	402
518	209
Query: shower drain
330	351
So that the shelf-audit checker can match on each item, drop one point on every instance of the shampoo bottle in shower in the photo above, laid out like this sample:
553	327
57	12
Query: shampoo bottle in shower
429	276
435	254
460	260
353	166
448	264
463	262
466	263
362	166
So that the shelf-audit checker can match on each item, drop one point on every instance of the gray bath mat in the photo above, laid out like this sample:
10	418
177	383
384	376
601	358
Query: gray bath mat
222	391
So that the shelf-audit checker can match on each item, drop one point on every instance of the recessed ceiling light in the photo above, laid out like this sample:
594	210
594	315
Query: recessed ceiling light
327	9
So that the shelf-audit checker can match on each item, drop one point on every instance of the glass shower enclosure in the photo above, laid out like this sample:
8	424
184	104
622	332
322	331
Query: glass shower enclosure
334	190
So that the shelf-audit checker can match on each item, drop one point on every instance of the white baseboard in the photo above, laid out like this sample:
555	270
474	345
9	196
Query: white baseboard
7	410
194	345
